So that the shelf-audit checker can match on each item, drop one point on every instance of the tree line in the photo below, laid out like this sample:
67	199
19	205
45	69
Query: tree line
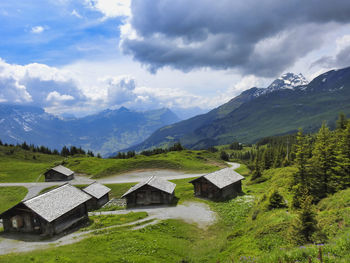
65	151
176	147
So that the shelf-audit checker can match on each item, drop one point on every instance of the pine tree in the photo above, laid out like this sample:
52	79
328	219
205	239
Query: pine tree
323	163
342	168
341	122
301	182
305	225
257	172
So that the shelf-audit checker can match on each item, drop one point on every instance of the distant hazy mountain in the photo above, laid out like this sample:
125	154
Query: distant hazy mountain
288	103
105	132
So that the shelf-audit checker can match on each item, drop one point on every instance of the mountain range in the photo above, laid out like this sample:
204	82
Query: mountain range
289	103
104	133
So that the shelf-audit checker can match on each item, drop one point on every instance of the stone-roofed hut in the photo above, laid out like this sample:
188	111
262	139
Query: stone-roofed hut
49	213
59	173
220	185
154	190
99	194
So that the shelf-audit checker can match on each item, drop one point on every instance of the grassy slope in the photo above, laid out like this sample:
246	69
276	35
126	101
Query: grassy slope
17	165
188	161
9	196
245	229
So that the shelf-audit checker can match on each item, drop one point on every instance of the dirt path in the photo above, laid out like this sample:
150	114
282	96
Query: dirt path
139	175
191	212
130	177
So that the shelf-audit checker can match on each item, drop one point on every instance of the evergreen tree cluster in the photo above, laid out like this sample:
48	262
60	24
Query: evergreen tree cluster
66	151
176	147
323	162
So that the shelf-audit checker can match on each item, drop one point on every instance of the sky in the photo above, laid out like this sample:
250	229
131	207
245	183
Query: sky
81	57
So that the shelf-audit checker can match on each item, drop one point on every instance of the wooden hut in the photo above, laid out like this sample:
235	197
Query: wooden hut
99	194
151	191
220	185
49	213
59	173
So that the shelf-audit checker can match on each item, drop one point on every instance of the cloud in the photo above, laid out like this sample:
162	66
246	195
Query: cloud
37	29
253	36
110	8
38	84
119	90
76	14
57	97
340	59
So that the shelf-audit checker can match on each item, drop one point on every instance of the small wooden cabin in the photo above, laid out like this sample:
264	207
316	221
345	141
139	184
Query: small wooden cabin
49	213
149	192
59	173
99	194
220	185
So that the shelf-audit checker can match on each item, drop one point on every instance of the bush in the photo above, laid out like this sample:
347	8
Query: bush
224	156
276	201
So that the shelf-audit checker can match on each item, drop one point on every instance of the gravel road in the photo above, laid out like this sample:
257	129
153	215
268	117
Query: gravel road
190	212
130	177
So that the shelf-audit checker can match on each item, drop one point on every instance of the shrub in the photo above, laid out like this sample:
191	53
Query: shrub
276	201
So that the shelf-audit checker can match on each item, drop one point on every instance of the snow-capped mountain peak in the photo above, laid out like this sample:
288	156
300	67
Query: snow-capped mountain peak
286	81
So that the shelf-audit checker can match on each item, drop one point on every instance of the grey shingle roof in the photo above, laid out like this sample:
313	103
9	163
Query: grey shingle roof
63	170
155	182
97	190
222	178
57	202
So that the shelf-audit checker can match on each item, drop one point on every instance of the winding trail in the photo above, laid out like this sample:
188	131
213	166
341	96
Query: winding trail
129	177
190	212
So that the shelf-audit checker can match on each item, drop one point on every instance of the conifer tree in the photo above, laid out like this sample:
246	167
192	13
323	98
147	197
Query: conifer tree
342	168
323	162
305	225
300	180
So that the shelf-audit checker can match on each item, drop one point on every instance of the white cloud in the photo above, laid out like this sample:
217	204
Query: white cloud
57	97
110	8
37	29
76	14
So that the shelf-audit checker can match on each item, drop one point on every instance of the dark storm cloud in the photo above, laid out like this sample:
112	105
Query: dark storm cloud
187	34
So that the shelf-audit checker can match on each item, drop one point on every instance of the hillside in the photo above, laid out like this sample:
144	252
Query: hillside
104	133
18	165
258	113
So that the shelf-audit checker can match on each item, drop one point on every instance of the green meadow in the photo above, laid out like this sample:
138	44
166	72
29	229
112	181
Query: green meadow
10	196
246	231
187	161
18	165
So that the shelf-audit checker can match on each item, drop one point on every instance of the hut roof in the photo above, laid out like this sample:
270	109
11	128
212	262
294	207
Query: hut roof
57	202
155	182
222	178
97	190
63	170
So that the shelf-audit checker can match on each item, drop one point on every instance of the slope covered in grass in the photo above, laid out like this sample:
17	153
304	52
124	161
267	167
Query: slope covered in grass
187	161
18	165
246	231
9	196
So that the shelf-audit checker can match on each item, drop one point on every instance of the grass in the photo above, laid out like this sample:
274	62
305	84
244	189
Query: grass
102	221
18	165
11	195
187	161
